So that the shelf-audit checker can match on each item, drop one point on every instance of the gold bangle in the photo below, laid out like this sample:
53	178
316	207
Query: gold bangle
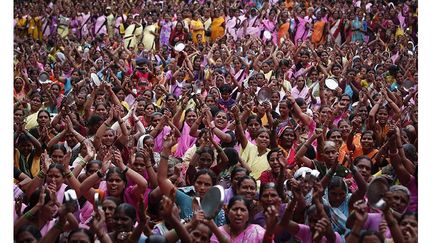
82	163
69	175
28	215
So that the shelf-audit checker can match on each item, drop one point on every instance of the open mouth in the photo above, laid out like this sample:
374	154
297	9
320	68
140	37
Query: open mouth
238	220
114	189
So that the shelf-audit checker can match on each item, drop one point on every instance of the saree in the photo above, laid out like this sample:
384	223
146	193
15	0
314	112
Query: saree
148	37
318	33
185	141
83	20
29	165
197	24
63	27
217	30
132	33
335	31
100	25
253	233
283	31
357	27
35	28
302	29
339	215
165	32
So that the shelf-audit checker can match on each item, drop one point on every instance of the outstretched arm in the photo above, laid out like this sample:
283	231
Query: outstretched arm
164	183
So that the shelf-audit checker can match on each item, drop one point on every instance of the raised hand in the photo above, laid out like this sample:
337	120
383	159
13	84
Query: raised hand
295	188
106	162
198	217
118	160
360	212
90	149
236	112
98	221
69	125
66	160
318	132
322	225
169	141
110	114
46	161
41	200
318	192
166	208
272	217
18	205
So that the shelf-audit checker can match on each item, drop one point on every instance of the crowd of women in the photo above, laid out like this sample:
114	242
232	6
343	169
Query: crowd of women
127	113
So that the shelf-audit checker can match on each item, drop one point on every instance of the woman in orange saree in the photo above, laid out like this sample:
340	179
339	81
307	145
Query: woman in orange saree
284	27
319	31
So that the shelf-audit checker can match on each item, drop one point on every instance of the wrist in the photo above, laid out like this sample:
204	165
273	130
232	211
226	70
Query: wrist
100	173
68	174
41	175
164	155
148	166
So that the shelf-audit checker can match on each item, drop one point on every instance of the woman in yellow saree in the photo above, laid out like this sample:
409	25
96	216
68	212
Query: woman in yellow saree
197	27
217	26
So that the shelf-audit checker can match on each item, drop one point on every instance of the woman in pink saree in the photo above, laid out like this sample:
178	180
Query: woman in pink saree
239	229
269	25
185	141
303	23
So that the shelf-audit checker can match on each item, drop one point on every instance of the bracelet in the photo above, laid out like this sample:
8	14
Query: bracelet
82	163
99	174
69	175
212	129
125	170
106	124
121	122
163	156
148	166
41	175
28	215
